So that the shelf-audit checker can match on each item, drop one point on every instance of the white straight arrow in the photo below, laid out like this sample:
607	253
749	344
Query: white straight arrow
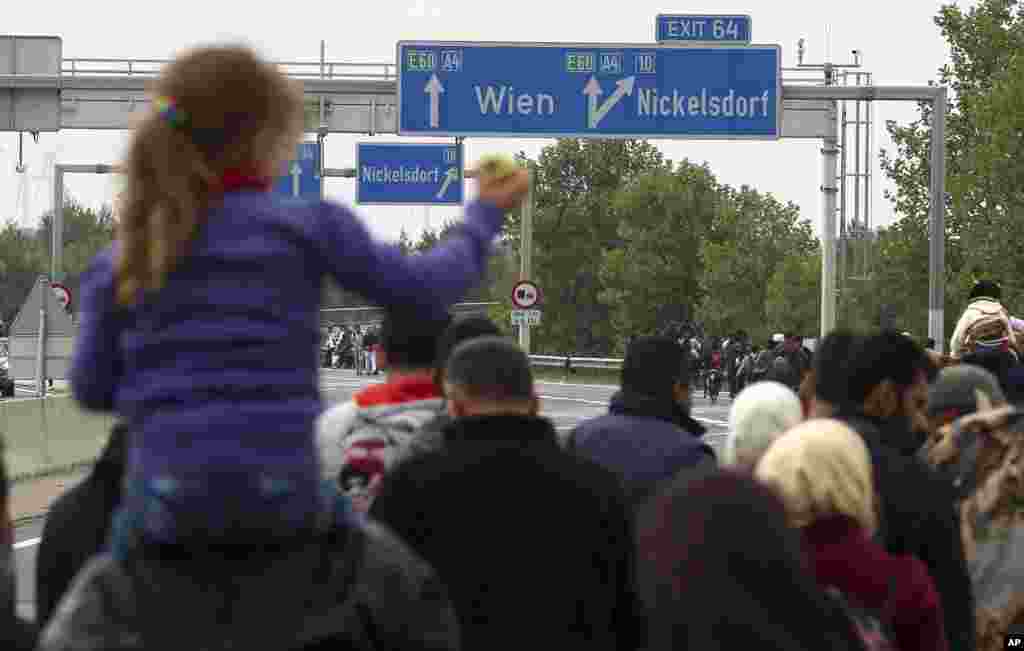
449	178
296	173
592	90
434	89
625	87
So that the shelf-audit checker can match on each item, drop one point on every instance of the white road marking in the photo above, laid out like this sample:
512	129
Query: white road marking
610	387
31	542
600	403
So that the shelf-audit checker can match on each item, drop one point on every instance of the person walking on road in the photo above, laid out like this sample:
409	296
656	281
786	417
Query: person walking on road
535	544
648	437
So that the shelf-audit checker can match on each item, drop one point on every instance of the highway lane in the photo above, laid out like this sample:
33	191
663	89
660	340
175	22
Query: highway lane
564	404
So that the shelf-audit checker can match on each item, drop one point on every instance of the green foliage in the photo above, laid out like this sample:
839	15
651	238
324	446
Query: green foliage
575	223
984	168
653	273
25	252
793	296
753	235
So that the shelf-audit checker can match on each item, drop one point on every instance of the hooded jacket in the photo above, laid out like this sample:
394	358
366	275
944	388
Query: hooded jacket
646	441
361	440
976	309
896	587
220	363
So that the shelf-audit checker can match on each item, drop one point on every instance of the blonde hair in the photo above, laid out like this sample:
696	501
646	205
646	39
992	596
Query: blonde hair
231	110
822	468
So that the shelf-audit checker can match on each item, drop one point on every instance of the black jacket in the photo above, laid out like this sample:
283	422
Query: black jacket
77	526
16	634
535	544
351	587
645	441
918	518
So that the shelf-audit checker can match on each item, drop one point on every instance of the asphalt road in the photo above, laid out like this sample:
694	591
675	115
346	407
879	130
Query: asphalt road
564	404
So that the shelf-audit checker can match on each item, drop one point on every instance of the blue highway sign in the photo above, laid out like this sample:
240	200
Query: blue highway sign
403	174
303	178
689	28
588	91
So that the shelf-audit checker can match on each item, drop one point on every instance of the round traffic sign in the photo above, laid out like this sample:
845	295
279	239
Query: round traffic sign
525	295
63	295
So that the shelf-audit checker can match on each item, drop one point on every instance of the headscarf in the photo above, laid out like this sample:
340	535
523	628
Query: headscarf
822	468
762	412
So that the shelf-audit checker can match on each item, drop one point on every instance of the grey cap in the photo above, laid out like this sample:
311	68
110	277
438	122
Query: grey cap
955	389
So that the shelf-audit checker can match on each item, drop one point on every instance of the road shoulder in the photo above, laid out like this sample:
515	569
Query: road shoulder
31	497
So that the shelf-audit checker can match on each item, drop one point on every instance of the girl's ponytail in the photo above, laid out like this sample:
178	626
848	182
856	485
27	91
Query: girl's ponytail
216	109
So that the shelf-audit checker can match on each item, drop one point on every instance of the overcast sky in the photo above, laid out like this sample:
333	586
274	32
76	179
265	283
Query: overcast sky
900	42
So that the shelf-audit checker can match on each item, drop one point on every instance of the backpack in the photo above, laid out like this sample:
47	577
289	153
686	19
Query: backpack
871	626
373	447
992	327
782	371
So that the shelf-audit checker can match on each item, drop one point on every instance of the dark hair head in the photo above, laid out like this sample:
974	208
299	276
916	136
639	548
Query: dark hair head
696	557
461	330
410	338
986	289
490	368
885	356
831	359
653	365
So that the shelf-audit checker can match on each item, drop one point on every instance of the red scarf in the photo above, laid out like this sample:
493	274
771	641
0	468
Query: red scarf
234	180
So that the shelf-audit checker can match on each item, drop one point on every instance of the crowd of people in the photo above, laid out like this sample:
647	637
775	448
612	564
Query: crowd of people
735	361
868	497
350	347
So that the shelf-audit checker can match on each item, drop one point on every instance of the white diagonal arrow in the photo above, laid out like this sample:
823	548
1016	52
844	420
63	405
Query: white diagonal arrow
296	173
593	89
449	178
434	89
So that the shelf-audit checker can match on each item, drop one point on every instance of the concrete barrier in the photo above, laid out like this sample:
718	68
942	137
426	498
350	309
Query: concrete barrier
44	435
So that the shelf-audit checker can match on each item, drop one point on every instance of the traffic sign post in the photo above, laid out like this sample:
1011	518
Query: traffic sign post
400	174
589	90
526	318
303	178
687	29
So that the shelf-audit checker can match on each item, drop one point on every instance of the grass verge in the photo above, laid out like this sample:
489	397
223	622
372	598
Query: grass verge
578	376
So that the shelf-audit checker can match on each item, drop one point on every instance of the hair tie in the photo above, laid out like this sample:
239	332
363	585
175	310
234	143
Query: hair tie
169	111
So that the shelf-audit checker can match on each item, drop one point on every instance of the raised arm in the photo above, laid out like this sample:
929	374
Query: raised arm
438	278
383	274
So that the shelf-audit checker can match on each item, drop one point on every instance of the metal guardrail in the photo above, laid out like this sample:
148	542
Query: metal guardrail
568	362
80	67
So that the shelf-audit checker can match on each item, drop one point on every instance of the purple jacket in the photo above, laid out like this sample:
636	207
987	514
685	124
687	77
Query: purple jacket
220	366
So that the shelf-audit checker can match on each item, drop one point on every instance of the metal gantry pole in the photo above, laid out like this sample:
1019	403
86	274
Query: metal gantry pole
937	224
41	343
57	225
829	177
526	249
